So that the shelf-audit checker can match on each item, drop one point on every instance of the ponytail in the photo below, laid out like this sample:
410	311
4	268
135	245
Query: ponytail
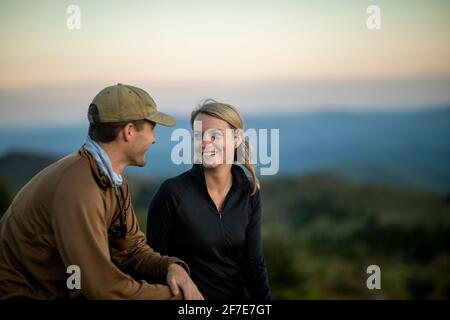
250	167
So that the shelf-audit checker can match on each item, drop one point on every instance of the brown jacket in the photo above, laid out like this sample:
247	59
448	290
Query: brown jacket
61	218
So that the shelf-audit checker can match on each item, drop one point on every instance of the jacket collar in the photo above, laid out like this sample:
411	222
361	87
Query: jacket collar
101	179
240	180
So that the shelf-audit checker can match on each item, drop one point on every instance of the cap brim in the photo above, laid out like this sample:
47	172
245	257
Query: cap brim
162	118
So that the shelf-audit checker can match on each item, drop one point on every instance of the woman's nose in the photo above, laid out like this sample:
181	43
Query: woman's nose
205	143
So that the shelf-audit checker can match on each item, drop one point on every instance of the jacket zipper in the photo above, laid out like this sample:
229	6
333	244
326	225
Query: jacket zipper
220	219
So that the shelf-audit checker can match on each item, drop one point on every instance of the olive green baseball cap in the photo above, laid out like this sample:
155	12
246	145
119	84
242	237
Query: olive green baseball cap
120	103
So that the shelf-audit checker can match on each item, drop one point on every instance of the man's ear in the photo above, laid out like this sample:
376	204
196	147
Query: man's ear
127	132
238	137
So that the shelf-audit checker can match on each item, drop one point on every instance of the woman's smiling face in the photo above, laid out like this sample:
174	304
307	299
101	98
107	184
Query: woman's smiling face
214	140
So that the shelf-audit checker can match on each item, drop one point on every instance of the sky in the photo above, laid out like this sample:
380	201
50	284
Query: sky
261	56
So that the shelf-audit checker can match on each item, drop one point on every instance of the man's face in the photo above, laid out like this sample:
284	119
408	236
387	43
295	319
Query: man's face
140	143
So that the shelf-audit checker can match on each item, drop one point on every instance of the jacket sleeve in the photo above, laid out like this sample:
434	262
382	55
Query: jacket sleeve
254	270
161	220
136	257
80	227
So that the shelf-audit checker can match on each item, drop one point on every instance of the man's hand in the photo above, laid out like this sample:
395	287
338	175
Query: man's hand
177	278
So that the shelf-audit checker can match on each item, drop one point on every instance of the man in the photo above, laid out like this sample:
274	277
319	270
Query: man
76	215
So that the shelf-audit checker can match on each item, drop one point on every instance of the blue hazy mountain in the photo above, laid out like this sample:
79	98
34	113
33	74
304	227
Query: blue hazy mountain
406	148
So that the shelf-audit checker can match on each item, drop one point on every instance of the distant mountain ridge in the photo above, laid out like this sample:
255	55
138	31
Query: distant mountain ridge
404	148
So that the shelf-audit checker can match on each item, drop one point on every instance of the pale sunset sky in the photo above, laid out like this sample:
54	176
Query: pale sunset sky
261	56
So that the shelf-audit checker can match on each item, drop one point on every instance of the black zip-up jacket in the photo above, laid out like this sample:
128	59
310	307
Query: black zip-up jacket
222	248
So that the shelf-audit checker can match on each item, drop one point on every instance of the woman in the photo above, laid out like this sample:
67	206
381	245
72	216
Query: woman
210	216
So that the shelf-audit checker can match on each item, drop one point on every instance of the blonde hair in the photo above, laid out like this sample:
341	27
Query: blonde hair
229	114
